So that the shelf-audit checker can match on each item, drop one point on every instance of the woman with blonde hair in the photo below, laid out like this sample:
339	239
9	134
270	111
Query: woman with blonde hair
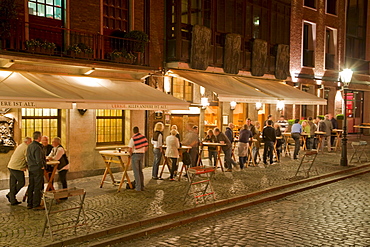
157	142
172	151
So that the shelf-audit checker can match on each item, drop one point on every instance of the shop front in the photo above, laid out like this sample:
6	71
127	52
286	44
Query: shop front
89	114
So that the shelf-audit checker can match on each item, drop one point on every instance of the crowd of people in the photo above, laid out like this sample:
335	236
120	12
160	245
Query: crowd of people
32	156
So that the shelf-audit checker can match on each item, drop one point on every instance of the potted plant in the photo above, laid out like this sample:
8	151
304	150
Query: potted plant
33	45
340	118
137	47
48	47
80	50
122	56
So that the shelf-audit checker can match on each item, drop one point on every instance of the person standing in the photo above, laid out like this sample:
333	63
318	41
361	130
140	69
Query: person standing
59	153
138	145
46	147
245	136
269	117
16	166
36	165
327	128
283	124
222	138
229	132
157	142
212	151
174	127
311	140
269	138
296	135
335	126
172	151
192	139
306	128
257	143
279	141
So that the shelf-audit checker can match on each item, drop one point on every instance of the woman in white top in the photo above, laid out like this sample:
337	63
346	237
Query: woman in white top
172	151
57	153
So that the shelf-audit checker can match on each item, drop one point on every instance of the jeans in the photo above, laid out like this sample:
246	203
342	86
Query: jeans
137	162
327	138
296	137
157	160
173	167
16	183
310	143
268	151
35	186
255	152
212	154
63	178
229	162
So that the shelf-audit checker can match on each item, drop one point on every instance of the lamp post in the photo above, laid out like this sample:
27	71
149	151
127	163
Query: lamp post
345	77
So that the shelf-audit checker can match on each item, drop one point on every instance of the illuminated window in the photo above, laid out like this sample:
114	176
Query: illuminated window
46	8
115	13
109	126
47	121
182	89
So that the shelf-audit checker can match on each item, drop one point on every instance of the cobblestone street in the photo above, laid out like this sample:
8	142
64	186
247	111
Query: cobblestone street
333	215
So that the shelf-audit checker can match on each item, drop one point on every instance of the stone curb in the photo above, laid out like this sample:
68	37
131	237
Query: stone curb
215	205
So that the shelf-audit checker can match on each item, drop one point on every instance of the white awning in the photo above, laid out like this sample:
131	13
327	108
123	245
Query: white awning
282	91
33	90
227	88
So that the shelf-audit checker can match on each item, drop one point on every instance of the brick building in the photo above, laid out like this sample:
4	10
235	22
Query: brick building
64	49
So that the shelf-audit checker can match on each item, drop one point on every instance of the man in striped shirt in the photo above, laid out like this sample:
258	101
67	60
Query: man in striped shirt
138	146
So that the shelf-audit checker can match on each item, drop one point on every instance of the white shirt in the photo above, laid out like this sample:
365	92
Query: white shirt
56	154
159	143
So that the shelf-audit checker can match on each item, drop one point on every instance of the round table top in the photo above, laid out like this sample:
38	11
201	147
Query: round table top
320	132
182	147
114	153
52	162
213	144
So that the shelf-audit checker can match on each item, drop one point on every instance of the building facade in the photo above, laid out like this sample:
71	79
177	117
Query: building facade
93	41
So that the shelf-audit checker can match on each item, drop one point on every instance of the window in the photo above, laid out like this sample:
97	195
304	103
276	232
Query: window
308	45
47	121
110	126
182	89
46	8
331	7
330	48
115	14
310	3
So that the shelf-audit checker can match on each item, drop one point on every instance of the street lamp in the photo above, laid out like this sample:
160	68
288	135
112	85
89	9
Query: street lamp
345	77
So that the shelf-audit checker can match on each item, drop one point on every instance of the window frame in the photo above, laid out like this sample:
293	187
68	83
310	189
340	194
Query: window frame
107	18
122	117
58	118
336	7
311	44
37	3
185	83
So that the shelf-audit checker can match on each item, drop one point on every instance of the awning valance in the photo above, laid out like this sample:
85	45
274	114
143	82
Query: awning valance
32	90
227	88
282	91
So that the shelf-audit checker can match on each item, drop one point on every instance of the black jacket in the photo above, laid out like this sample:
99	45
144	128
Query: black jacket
269	134
35	156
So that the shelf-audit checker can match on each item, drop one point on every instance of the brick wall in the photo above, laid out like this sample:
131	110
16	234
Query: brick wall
86	16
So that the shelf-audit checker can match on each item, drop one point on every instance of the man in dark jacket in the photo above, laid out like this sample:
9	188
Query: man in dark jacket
269	138
36	164
334	122
222	138
229	132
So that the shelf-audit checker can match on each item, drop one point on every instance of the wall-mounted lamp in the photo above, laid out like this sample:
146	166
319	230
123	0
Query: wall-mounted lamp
202	91
232	105
280	105
82	111
258	106
167	84
204	102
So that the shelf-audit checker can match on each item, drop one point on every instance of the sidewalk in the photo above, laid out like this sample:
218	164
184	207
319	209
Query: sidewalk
105	207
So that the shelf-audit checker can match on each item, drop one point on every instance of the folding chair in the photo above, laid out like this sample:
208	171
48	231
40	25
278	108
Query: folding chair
359	151
308	158
200	187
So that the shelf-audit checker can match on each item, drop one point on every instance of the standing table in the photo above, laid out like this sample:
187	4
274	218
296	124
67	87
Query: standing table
304	140
319	135
286	136
212	144
113	156
54	164
361	127
165	162
338	135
